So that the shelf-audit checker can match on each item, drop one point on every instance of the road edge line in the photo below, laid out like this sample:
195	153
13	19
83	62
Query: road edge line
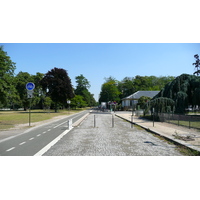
48	146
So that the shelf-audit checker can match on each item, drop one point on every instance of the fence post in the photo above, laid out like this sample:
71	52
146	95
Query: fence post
131	121
112	120
153	117
94	121
178	120
189	121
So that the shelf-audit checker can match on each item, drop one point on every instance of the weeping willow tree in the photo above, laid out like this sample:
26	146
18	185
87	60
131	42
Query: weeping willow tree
184	91
160	105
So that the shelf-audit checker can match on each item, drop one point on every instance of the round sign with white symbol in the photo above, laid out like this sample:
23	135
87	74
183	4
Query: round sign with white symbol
30	86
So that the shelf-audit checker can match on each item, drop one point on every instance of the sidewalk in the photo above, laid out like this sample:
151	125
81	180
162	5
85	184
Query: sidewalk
182	135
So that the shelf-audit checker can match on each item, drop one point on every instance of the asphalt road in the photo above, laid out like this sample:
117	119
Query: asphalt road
30	142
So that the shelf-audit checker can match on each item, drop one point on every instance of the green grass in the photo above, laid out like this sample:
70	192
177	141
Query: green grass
8	119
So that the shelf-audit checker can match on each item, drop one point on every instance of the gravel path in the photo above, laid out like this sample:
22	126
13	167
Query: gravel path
103	140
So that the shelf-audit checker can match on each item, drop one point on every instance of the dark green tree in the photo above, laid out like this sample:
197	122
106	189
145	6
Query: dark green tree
184	91
126	87
21	80
7	67
59	85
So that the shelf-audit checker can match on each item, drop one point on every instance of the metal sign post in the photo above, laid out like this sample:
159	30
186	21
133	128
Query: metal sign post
30	87
68	101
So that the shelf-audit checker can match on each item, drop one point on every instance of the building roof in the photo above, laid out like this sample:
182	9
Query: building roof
139	94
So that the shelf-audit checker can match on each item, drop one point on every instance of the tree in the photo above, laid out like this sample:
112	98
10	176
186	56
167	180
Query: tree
110	91
126	87
21	80
78	101
7	68
143	100
82	89
47	102
197	65
82	83
59	85
184	91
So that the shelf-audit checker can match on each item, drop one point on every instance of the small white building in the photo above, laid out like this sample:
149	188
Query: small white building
131	100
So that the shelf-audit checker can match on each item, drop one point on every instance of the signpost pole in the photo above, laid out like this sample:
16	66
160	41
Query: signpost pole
30	87
30	113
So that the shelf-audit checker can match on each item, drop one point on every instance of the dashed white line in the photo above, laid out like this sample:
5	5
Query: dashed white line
48	146
31	138
38	135
11	149
22	143
44	132
49	129
59	124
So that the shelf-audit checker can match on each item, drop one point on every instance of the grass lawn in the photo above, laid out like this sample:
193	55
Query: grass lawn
9	119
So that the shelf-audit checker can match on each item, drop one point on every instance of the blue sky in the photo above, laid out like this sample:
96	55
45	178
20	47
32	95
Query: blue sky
97	61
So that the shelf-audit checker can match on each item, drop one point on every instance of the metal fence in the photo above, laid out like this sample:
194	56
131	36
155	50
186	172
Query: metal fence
190	121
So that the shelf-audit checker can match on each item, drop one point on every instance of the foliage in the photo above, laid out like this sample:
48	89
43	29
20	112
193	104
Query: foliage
126	86
21	80
142	101
82	83
78	102
160	105
47	102
110	91
82	90
59	85
184	91
197	64
7	68
116	90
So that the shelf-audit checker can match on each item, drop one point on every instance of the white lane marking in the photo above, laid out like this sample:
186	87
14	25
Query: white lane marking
11	149
49	129
31	138
38	135
22	143
48	146
44	132
59	124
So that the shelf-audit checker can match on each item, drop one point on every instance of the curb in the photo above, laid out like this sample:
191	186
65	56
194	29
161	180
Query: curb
75	124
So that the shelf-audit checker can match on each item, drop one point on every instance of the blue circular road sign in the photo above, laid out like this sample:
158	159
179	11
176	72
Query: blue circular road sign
30	86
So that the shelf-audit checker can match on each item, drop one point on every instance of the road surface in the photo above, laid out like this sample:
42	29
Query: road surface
31	141
103	138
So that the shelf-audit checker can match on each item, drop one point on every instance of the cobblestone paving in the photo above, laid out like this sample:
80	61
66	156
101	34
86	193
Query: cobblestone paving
105	140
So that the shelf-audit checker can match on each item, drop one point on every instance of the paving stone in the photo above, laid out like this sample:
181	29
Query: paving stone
105	140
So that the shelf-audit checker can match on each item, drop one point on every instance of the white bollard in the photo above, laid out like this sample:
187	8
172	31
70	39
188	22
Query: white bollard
70	124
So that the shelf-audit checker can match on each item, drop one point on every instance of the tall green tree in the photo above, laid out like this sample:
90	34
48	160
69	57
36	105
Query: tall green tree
82	89
59	85
7	68
110	91
82	84
21	80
